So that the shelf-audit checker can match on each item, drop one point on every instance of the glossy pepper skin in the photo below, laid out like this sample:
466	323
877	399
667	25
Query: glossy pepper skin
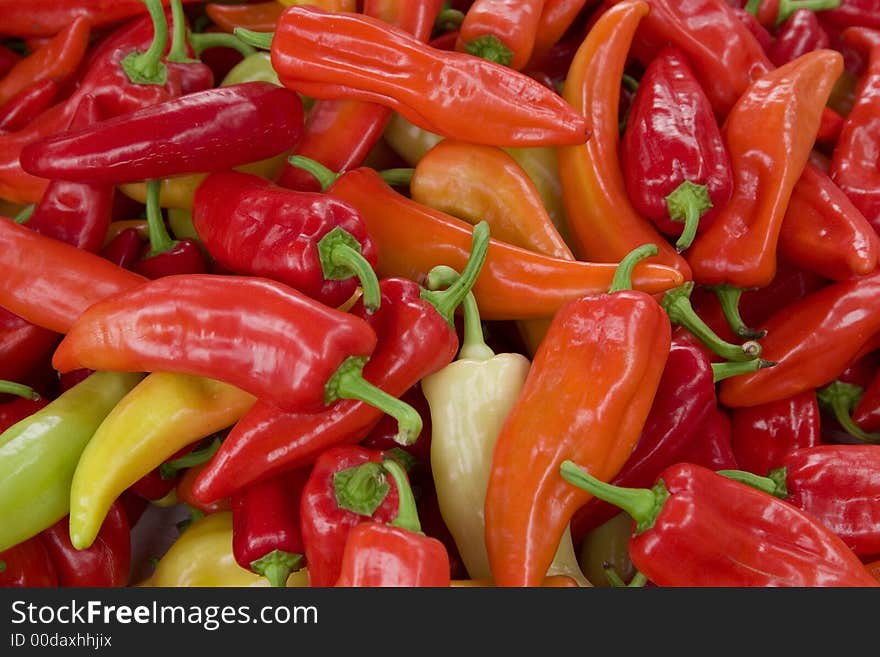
671	141
105	563
266	533
177	323
527	507
163	414
853	161
764	434
23	346
253	226
501	31
38	455
430	87
416	337
697	528
326	525
603	223
813	340
209	130
739	248
27	104
256	16
27	565
835	484
800	33
11	412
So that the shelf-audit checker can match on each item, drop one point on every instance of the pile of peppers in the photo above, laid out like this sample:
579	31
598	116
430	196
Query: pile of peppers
426	293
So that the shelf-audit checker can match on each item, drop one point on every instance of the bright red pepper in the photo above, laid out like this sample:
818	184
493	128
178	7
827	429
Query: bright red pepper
675	163
8	59
394	554
764	434
209	130
697	528
30	102
416	337
27	565
346	487
341	55
501	31
105	563
761	33
313	242
124	249
838	485
266	534
23	345
801	32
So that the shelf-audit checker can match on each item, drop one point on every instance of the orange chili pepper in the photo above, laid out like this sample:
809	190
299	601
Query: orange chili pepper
484	183
259	17
604	225
57	60
556	17
769	133
513	284
501	31
598	368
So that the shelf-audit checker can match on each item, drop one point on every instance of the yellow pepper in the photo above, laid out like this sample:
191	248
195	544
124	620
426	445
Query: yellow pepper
607	546
163	414
203	556
470	400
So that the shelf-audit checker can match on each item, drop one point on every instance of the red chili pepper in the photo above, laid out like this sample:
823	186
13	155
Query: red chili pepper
764	434
209	130
185	493
8	59
341	55
382	435
761	33
313	242
773	13
30	102
347	486
23	345
867	412
76	213
105	563
20	407
800	33
697	528
394	554
254	333
416	337
27	565
838	485
865	13
125	249
266	534
684	399
715	449
501	31
675	163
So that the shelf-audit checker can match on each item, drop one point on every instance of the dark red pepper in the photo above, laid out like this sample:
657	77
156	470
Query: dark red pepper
675	163
18	409
266	534
124	249
23	346
347	486
27	565
800	33
21	109
764	434
867	412
865	13
761	33
714	448
416	337
312	241
105	563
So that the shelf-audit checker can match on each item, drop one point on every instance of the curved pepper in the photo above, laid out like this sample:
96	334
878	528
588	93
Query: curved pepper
39	454
604	225
431	87
21	109
164	413
622	334
202	556
697	528
27	565
739	248
501	31
256	16
557	16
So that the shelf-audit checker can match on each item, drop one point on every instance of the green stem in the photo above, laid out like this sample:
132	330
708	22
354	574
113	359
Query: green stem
752	6
160	240
728	297
491	48
407	514
473	344
841	399
25	214
361	488
449	299
629	82
178	35
324	175
727	369
18	389
788	7
623	274
2	566
202	41
773	483
687	203
147	67
448	19
259	40
348	382
677	304
400	177
169	469
642	504
341	258
277	566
